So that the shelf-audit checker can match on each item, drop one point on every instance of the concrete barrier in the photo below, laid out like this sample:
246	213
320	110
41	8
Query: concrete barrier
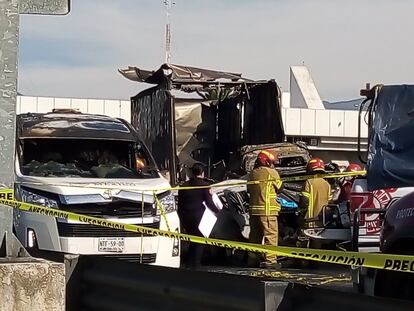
308	298
107	284
31	284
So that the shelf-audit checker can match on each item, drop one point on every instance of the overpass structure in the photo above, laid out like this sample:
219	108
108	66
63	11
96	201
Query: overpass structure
330	133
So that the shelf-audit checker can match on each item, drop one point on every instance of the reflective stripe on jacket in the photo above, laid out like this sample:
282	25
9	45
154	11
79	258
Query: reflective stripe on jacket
263	196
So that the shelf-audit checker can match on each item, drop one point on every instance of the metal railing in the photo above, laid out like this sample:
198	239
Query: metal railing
359	223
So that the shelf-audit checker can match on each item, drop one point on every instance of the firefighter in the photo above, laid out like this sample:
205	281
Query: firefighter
318	190
263	206
347	182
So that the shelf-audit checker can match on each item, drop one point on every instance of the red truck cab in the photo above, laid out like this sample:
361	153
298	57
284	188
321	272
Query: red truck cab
362	200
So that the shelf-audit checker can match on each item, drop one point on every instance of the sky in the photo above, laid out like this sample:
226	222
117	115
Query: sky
343	43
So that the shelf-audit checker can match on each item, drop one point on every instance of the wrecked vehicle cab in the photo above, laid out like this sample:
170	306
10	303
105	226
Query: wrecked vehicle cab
92	165
292	161
294	229
292	158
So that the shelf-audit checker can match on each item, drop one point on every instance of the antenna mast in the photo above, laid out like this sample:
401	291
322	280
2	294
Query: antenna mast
168	5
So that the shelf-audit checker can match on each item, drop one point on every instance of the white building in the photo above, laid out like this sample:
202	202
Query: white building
330	134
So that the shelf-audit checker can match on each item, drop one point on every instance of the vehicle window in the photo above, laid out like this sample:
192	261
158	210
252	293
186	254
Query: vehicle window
86	159
290	162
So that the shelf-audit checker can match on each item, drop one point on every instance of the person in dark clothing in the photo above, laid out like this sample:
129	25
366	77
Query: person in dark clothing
191	209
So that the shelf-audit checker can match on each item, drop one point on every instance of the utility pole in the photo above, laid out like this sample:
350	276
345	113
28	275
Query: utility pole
168	6
9	41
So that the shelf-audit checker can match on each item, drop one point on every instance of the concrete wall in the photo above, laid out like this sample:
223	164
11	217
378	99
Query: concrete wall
297	122
32	285
112	108
327	123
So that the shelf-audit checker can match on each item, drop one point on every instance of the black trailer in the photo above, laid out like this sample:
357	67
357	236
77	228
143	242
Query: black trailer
198	115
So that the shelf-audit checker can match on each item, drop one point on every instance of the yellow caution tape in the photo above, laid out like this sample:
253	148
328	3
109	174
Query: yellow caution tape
7	194
159	205
223	185
105	185
368	260
325	176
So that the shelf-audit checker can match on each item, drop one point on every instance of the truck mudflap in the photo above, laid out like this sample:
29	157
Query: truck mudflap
364	279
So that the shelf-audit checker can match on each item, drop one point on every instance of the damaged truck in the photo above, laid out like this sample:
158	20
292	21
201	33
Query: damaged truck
198	115
222	120
97	166
382	202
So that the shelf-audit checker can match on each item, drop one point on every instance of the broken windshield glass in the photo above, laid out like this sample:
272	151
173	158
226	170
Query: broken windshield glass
74	158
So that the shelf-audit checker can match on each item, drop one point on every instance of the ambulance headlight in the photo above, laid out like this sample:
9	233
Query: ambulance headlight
36	199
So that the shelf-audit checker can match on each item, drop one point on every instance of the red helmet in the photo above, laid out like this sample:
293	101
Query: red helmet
316	165
353	167
265	158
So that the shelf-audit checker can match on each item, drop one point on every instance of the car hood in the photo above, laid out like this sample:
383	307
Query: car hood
129	189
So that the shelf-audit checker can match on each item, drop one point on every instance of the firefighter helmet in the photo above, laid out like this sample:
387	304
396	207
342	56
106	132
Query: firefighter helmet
265	158
316	165
353	167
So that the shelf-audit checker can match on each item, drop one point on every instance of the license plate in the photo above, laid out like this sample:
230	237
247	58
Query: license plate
113	245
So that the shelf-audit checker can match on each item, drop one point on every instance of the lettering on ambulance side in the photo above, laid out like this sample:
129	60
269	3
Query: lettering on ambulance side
405	213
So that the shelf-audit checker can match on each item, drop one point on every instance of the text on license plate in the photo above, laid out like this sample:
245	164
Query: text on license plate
115	245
